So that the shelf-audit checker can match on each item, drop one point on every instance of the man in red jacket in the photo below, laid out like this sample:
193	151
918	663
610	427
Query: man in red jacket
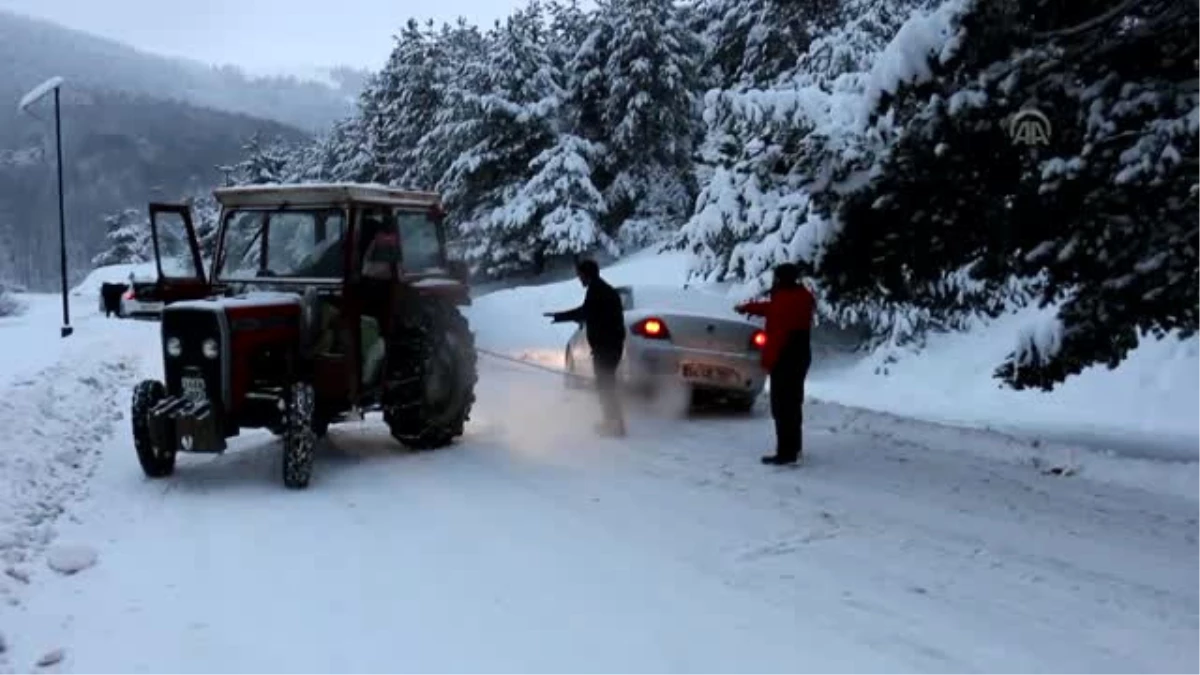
786	356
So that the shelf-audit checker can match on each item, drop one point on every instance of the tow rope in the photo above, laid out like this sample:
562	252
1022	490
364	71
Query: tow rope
530	364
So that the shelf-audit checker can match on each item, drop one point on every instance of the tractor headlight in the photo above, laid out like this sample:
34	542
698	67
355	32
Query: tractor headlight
209	347
174	346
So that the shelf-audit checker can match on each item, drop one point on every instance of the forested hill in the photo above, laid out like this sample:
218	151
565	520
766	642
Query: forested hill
32	50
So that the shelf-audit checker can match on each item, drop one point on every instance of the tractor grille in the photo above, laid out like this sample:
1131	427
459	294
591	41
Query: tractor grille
193	326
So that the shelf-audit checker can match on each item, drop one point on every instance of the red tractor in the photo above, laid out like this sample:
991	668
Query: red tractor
323	302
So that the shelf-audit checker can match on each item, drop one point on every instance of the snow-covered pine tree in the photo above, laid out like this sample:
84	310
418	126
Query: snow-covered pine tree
782	157
462	77
127	236
264	162
559	206
345	153
753	42
586	88
651	114
406	96
570	25
514	121
1101	217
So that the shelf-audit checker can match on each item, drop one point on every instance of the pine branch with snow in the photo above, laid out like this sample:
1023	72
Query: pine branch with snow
128	237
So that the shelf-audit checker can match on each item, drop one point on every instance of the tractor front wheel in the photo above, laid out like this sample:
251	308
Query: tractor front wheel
299	439
431	375
156	462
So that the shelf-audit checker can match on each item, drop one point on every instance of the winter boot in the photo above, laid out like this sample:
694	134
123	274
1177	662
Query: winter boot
611	428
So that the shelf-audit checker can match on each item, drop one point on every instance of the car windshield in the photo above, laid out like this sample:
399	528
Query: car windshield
289	244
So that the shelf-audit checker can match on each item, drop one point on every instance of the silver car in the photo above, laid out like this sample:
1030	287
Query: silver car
681	337
134	302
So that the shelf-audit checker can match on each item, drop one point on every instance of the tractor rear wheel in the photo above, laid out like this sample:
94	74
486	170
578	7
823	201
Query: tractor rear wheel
431	374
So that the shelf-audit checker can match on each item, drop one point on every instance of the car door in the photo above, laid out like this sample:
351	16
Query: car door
181	274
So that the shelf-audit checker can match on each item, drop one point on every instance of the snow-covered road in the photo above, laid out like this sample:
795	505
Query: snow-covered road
534	546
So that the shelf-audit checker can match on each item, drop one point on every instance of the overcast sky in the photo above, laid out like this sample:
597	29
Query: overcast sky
260	35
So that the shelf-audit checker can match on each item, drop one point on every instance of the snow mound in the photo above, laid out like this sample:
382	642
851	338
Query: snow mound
114	274
52	657
71	558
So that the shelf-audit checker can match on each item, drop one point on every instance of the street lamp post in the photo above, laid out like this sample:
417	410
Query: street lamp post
36	94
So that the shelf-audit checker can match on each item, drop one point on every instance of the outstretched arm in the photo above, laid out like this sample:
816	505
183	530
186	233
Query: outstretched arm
757	308
577	315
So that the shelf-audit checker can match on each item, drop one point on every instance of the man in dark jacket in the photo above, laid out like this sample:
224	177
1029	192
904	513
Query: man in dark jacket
604	318
786	356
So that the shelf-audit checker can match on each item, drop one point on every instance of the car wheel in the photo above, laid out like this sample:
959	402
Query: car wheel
742	404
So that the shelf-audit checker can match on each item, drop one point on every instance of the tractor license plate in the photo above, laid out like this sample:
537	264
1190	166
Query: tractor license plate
718	374
193	389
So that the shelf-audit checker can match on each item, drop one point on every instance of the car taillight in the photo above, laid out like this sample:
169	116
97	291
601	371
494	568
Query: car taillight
129	294
758	340
654	329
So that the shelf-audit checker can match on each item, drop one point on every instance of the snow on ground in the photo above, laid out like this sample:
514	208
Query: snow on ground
533	546
60	400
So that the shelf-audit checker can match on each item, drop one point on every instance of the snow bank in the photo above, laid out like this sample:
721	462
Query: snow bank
114	274
10	305
1152	395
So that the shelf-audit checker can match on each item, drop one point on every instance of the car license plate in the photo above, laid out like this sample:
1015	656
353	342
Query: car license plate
193	389
698	371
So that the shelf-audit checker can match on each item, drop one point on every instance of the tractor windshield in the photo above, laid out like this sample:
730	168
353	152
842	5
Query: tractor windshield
297	244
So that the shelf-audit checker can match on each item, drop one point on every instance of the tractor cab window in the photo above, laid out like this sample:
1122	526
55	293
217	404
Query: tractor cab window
378	243
419	237
288	244
388	237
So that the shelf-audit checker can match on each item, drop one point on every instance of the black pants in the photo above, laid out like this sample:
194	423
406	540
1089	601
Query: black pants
604	364
787	394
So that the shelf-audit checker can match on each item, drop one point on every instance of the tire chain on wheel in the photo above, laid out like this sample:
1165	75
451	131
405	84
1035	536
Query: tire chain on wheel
156	462
421	330
298	436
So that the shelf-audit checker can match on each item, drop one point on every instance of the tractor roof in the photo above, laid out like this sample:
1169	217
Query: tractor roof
318	194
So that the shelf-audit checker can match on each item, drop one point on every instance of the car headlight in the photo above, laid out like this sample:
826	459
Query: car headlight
174	346
209	348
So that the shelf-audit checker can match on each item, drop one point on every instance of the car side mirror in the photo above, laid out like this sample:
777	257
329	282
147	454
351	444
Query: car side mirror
460	270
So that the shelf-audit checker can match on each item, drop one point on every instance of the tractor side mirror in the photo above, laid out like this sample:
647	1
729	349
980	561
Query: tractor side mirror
460	270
